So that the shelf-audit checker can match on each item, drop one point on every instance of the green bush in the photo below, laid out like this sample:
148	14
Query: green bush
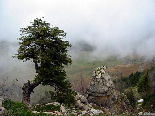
16	109
19	109
46	108
130	95
149	103
127	82
134	78
144	86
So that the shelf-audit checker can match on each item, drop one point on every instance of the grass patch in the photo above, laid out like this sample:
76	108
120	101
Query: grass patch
46	108
19	109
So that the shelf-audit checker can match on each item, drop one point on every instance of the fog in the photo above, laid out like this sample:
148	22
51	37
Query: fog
121	28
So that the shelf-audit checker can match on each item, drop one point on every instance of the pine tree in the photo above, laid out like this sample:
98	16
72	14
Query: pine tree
144	85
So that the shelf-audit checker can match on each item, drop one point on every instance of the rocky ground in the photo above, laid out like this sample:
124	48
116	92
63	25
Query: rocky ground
82	107
100	98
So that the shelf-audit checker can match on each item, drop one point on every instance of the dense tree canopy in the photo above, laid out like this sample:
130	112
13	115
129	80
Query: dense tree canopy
144	85
44	46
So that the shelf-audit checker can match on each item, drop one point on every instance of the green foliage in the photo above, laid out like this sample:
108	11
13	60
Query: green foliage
46	108
134	78
19	109
144	85
127	82
63	95
144	82
130	95
44	46
16	109
149	104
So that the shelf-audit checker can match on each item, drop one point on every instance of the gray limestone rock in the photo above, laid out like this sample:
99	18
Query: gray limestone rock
93	112
1	101
63	109
83	100
102	92
2	111
79	104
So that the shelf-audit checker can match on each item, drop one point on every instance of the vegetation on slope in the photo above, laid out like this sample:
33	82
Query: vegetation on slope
19	109
139	85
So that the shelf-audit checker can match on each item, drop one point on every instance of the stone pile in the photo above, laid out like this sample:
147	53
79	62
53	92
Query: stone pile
102	93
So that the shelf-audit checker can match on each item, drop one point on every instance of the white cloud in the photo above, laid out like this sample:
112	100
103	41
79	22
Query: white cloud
121	26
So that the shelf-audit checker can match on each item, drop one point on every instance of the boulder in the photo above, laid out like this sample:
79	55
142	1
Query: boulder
93	112
62	109
102	92
83	100
79	104
2	111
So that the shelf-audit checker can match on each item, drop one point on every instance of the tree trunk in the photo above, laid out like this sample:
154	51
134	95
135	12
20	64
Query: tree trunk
27	89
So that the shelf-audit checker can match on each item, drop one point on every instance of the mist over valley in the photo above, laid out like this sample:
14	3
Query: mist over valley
119	35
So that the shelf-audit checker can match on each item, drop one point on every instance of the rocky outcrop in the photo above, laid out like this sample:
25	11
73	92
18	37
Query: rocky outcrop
82	107
1	101
102	92
101	98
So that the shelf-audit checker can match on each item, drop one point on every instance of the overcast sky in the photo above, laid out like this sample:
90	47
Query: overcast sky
120	27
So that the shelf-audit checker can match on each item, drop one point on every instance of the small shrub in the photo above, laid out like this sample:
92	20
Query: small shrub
16	108
19	109
130	95
46	108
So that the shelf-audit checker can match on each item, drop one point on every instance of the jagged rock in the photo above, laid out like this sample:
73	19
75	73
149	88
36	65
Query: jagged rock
79	104
91	112
77	97
102	92
62	109
95	112
56	103
84	100
58	113
2	111
35	112
83	112
81	107
1	101
86	107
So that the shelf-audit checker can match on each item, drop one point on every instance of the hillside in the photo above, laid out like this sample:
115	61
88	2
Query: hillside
81	70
